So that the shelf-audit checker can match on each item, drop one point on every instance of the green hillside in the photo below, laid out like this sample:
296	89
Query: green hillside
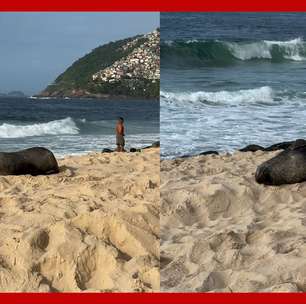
77	80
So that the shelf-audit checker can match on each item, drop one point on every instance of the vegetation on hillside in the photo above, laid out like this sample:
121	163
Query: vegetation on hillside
77	80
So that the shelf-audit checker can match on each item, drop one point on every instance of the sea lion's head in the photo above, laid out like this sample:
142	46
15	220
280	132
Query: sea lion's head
263	175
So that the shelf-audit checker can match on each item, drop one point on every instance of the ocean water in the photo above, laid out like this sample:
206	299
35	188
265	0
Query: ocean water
231	79
75	127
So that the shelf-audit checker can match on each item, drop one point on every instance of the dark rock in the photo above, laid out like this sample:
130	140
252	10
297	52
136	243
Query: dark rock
209	153
135	150
202	153
34	161
287	167
106	150
154	145
186	156
280	146
252	148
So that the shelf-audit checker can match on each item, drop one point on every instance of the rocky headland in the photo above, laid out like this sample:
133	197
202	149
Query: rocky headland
128	68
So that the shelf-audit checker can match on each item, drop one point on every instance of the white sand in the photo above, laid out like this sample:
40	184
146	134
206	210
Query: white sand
221	231
94	226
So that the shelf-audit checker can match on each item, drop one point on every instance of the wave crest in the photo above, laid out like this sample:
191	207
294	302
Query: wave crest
262	94
194	52
291	50
56	127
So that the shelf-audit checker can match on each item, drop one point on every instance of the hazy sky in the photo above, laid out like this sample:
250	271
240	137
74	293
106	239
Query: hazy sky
36	47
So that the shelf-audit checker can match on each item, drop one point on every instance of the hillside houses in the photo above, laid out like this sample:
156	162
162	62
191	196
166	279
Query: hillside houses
142	63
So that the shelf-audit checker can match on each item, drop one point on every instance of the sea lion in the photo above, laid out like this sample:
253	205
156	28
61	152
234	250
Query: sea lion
297	143
33	161
288	167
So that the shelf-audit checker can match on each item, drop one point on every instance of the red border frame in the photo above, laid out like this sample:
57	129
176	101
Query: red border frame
153	298
164	6
154	5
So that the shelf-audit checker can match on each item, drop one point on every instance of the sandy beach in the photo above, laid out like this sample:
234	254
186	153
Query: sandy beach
221	231
92	227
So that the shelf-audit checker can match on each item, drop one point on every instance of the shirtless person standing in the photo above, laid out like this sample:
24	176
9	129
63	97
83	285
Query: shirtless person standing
120	142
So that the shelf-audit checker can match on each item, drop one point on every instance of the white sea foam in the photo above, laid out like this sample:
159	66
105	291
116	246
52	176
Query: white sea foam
293	49
262	94
190	124
168	42
56	127
192	41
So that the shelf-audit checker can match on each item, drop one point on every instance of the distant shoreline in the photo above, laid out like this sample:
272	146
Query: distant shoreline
104	98
97	97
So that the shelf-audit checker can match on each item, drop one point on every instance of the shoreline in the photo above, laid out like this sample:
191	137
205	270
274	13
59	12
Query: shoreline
154	145
98	97
249	148
109	98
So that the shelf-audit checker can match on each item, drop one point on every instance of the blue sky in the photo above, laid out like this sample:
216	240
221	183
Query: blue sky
36	47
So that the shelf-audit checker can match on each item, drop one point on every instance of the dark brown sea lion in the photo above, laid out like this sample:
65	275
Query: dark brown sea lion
288	167
33	161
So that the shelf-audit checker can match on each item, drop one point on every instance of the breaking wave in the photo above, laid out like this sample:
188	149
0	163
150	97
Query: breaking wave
56	127
262	95
194	52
